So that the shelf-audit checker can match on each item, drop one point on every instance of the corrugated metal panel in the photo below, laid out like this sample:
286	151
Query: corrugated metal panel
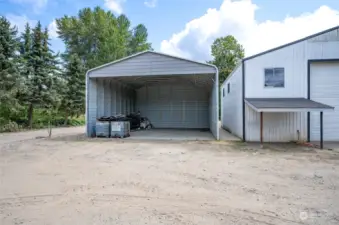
231	103
133	96
214	108
128	106
174	106
107	98
278	127
149	64
327	37
113	103
91	106
118	98
292	59
324	88
100	98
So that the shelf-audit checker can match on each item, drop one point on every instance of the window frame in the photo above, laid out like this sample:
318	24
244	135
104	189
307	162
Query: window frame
273	68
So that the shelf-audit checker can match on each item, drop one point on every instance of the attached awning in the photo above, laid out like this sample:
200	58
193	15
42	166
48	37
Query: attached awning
286	105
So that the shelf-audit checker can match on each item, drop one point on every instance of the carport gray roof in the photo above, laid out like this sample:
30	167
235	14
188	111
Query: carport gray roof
292	104
154	52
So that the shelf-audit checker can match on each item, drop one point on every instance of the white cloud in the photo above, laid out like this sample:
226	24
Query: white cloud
52	29
20	21
36	4
115	5
151	3
237	18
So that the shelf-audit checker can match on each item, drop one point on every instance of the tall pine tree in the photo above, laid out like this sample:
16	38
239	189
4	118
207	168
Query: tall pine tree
8	67
52	99
74	96
26	68
42	65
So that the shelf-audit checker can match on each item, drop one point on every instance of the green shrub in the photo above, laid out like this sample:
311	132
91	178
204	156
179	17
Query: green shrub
9	126
19	121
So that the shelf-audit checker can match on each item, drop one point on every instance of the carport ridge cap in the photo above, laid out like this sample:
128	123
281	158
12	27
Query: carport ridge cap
154	52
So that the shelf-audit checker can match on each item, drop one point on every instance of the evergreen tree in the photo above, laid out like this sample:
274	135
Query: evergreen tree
41	89
74	97
52	97
26	44
8	67
26	68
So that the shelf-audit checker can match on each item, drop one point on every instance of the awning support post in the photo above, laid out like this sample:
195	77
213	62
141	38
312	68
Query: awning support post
261	128
321	131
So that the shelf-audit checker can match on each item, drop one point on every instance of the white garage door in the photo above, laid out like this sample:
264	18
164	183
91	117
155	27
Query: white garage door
174	106
325	89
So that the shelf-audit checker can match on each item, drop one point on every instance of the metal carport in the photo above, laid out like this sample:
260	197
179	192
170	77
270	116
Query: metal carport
174	93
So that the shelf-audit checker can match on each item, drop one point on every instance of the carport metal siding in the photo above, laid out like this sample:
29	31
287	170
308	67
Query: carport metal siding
106	98
174	106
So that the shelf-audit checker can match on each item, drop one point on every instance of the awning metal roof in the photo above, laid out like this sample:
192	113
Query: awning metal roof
286	105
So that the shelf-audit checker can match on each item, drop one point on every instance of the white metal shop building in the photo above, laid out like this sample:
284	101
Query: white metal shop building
289	93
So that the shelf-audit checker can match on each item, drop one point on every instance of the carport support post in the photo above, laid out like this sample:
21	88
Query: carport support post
321	131
261	128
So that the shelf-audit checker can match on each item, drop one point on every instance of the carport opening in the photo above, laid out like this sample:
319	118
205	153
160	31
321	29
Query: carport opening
178	106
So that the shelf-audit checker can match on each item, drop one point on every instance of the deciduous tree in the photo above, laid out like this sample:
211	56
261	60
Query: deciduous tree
227	53
98	36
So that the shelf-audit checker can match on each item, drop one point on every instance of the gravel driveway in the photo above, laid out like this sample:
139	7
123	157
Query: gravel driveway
75	180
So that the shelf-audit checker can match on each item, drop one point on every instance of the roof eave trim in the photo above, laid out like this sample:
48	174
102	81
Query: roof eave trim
293	109
288	109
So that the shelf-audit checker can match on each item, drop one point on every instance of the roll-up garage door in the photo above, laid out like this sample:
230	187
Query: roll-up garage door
324	88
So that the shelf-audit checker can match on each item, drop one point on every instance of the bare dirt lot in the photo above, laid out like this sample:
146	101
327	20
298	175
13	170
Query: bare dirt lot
79	181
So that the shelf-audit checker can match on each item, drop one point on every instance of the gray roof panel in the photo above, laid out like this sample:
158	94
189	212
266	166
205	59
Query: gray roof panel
286	103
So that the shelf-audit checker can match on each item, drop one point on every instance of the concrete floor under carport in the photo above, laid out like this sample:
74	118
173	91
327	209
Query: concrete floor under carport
172	134
181	135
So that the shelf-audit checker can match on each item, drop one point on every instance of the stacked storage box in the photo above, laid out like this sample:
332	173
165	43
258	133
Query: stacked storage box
102	128
120	129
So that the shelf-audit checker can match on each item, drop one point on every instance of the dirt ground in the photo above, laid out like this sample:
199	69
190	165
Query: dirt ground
75	180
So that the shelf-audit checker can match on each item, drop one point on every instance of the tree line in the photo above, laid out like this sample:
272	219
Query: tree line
41	88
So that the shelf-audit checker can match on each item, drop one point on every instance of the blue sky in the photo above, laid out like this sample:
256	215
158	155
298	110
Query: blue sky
188	27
